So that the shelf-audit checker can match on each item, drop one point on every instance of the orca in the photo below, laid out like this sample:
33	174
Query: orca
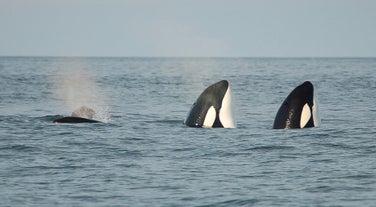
212	108
80	115
299	109
74	119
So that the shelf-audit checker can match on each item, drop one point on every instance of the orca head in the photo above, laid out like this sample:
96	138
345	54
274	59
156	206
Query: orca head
299	109
213	108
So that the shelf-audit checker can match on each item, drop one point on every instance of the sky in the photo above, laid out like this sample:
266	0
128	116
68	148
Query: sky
188	28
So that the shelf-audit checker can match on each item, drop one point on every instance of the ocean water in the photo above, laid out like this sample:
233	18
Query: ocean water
143	155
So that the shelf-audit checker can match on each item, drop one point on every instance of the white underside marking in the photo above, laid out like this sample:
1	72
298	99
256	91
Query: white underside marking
315	111
305	116
209	118
225	113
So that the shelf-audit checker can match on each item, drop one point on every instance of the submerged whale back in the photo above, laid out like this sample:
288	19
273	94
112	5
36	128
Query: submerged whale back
80	115
73	119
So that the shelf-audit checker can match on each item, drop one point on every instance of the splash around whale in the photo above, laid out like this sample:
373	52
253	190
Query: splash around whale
80	115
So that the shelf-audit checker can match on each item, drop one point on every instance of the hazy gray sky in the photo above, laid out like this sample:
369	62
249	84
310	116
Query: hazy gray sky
277	28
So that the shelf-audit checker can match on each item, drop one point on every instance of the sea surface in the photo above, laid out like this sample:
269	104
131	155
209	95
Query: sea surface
143	155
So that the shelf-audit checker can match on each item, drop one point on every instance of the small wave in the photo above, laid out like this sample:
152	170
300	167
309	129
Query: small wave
185	149
360	176
270	148
168	122
341	146
19	148
20	118
49	118
327	160
233	202
320	189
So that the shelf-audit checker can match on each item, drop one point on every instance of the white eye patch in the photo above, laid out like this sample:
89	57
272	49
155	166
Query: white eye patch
305	116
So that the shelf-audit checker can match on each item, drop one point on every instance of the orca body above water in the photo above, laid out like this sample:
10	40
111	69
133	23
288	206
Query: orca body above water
212	108
299	109
80	115
74	120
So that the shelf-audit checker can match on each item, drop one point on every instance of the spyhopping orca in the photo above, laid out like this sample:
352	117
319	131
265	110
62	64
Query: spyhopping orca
299	109
81	115
212	108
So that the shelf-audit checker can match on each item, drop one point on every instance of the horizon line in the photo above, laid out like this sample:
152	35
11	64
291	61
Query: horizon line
162	56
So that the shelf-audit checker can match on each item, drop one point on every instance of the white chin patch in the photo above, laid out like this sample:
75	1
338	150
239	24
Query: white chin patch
210	118
315	111
225	113
305	116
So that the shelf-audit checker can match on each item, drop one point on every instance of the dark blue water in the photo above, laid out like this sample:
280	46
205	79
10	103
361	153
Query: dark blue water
143	155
